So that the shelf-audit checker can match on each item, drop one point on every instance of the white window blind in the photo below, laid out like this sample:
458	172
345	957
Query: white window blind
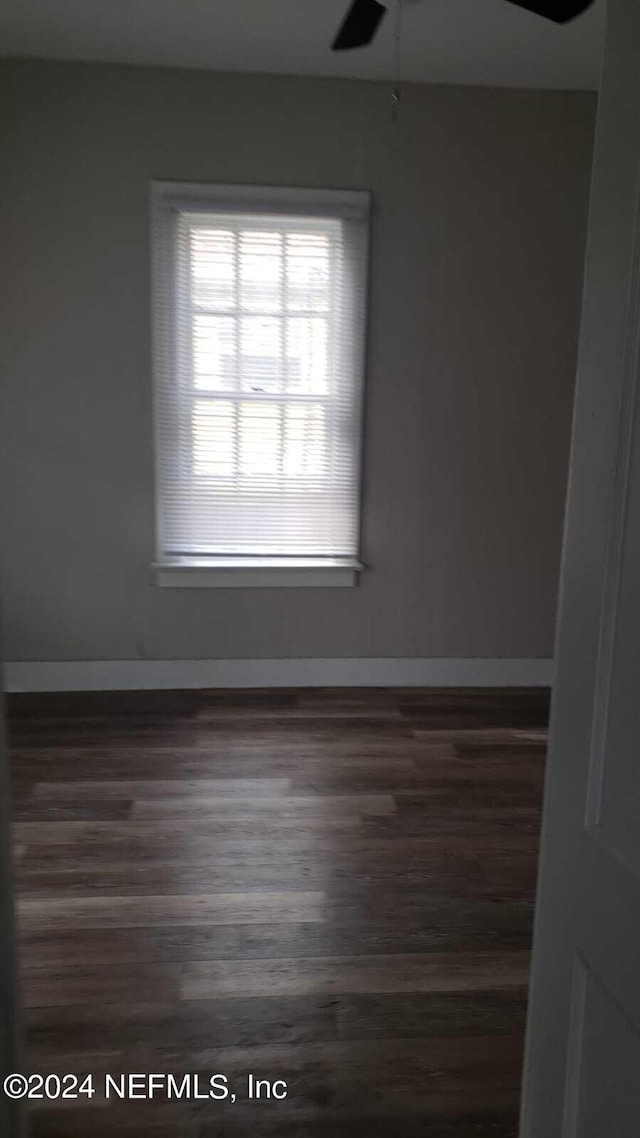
259	328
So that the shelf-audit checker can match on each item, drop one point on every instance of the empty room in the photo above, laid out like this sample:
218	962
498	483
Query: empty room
295	298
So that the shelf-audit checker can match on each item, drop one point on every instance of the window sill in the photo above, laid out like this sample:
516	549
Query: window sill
256	573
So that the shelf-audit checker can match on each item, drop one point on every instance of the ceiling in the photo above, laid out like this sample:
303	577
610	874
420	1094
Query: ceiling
487	42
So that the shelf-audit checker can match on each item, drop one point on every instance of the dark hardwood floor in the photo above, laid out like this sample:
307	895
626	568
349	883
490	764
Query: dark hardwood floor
334	888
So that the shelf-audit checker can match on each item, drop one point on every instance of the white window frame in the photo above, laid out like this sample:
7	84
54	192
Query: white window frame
166	198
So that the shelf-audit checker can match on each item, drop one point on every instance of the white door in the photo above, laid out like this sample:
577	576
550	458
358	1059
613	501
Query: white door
582	1064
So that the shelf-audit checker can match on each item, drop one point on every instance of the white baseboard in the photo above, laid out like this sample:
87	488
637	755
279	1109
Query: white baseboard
133	675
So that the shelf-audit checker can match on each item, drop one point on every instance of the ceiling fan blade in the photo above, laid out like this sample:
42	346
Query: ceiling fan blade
359	25
561	11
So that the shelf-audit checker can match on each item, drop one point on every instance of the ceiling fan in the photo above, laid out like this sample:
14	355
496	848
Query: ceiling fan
364	17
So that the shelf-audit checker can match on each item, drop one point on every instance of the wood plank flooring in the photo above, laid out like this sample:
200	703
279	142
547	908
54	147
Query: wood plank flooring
334	888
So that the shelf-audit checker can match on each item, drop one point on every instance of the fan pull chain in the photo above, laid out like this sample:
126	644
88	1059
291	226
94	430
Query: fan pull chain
397	63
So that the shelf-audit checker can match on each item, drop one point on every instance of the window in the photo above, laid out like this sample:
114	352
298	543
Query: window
259	317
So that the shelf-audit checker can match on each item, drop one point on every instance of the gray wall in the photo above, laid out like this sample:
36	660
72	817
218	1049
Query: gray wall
480	212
